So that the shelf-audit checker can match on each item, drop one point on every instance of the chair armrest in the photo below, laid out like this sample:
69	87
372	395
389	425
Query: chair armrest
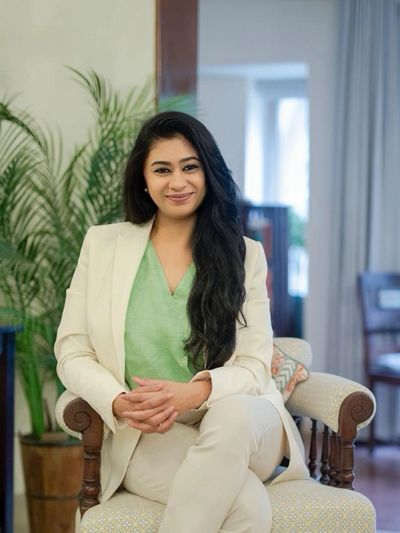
62	403
332	400
342	405
299	349
78	418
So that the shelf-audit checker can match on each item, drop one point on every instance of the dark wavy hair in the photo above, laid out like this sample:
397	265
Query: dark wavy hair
218	249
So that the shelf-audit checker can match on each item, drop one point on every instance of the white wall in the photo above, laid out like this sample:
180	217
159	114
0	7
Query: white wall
37	40
278	31
217	96
117	39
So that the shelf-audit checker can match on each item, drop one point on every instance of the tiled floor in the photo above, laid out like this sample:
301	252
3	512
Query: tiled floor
377	477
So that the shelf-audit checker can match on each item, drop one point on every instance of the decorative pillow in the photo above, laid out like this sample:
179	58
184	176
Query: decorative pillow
286	372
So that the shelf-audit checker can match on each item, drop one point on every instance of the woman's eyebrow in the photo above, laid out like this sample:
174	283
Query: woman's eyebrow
184	160
189	158
160	163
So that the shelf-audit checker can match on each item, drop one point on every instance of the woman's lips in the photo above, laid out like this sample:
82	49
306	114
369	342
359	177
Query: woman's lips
179	198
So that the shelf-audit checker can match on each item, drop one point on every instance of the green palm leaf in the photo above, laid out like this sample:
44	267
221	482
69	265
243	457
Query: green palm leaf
45	211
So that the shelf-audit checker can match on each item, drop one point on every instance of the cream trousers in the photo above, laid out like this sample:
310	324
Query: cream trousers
210	472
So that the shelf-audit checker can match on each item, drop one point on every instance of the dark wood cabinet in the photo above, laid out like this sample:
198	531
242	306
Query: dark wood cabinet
269	224
7	351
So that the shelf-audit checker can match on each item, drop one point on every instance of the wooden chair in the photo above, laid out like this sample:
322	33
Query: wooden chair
380	303
337	408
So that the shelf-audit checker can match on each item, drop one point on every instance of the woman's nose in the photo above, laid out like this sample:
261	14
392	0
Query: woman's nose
177	181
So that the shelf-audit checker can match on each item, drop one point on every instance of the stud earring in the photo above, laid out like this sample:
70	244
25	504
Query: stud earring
145	190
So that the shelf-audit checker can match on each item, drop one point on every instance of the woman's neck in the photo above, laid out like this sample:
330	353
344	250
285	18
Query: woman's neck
176	231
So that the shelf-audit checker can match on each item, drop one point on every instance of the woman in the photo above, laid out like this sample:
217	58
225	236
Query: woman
166	334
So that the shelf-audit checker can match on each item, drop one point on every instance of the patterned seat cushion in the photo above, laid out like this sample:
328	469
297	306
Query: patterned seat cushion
303	506
123	513
306	506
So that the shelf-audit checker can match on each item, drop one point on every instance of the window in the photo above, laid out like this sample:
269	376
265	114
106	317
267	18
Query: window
277	161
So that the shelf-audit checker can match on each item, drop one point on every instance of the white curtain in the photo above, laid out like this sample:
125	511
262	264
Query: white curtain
366	201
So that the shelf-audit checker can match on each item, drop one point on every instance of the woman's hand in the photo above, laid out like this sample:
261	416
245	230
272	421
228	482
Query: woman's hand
154	405
183	396
147	408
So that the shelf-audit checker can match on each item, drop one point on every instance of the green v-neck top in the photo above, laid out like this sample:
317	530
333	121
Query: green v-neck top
156	324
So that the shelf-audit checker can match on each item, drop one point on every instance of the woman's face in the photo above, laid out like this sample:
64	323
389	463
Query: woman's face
174	178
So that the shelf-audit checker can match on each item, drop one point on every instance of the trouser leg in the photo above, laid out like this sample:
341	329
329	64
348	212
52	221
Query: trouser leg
156	460
236	433
251	511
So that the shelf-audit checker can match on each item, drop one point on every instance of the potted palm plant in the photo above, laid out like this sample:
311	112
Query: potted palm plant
45	210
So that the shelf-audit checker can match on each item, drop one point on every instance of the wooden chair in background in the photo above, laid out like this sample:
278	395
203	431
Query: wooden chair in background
380	303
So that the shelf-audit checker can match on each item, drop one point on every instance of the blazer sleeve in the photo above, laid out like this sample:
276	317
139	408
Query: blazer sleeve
248	371
77	364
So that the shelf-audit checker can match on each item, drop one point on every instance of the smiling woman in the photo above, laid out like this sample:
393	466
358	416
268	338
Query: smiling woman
176	183
166	333
174	178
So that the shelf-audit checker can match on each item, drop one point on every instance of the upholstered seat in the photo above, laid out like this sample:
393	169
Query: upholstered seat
125	512
298	506
306	506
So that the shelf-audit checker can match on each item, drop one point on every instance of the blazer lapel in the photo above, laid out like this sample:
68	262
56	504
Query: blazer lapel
130	247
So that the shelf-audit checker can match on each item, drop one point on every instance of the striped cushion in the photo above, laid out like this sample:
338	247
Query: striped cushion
287	372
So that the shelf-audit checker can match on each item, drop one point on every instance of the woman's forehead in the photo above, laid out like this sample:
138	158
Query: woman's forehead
172	147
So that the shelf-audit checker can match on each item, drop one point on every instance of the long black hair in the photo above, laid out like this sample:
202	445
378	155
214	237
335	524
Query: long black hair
218	249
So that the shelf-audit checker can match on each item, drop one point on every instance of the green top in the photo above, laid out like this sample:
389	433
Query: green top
156	324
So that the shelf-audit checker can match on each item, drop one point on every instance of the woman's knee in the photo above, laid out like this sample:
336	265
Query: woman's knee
228	418
240	413
236	424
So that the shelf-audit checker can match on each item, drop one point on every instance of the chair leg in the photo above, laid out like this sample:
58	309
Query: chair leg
371	443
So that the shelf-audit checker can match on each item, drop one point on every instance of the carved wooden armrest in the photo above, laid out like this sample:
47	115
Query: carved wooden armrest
80	417
343	406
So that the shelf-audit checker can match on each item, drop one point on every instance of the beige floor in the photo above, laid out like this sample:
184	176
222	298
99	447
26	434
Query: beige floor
20	515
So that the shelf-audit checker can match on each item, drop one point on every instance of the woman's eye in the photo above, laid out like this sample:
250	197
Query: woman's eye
191	167
161	170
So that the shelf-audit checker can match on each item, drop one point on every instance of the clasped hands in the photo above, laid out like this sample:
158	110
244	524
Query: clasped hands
152	407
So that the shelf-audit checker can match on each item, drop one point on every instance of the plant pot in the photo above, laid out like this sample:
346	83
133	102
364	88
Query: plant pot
53	475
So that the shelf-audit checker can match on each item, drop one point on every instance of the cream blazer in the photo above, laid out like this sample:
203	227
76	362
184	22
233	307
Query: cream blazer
90	343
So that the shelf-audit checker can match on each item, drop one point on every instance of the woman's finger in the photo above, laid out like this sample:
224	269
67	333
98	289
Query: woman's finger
152	398
167	424
147	414
161	428
160	417
145	389
141	401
